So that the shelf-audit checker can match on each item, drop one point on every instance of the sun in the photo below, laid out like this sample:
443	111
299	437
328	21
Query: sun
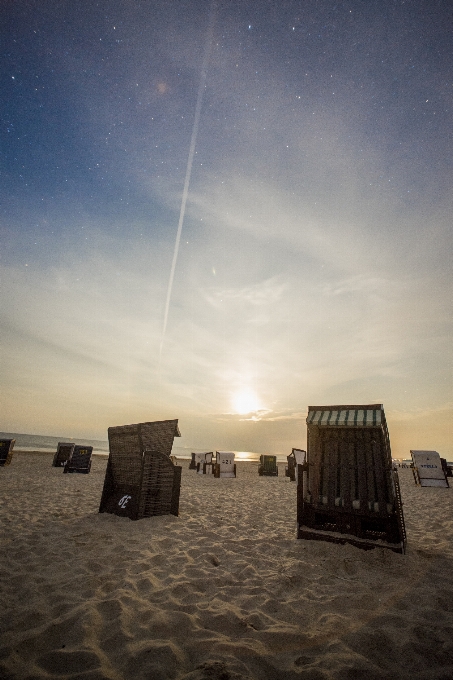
245	401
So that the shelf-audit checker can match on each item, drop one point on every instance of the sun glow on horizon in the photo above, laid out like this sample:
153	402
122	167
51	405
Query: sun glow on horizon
246	401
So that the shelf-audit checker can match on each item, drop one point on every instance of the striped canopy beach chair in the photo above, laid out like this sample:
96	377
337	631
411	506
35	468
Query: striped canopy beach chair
63	454
80	460
6	451
348	490
268	466
141	480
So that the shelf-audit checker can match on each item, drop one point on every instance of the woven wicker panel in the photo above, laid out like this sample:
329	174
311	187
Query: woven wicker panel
125	455
63	454
157	485
159	435
81	457
6	451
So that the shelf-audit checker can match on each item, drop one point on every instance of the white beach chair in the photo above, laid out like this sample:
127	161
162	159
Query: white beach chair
428	469
225	465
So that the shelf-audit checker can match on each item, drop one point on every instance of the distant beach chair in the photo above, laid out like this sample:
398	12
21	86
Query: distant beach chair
224	465
295	458
347	489
80	460
193	462
63	454
204	463
268	466
6	451
428	469
141	480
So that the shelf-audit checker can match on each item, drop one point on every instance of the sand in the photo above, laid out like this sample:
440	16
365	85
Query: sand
224	591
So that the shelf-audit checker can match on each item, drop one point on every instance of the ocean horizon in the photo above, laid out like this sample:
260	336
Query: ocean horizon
47	443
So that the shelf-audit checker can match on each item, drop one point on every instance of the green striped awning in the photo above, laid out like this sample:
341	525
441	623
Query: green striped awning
345	417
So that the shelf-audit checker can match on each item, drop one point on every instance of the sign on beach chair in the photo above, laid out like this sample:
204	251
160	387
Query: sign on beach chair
295	458
268	466
428	469
224	465
63	454
6	451
80	460
347	490
141	480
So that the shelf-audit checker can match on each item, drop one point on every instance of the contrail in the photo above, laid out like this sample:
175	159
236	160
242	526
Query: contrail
185	192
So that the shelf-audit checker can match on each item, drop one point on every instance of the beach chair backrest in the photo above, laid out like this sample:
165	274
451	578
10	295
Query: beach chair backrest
268	466
6	451
63	454
225	464
80	460
299	456
428	469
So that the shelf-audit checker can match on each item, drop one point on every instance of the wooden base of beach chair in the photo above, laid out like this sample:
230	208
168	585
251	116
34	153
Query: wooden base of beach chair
365	544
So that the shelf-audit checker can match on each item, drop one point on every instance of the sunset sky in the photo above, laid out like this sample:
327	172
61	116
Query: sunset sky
315	259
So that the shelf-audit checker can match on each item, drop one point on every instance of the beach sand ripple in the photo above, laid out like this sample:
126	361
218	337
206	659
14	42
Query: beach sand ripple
222	592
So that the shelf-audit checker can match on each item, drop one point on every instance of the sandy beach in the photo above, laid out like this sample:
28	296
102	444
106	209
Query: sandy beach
224	591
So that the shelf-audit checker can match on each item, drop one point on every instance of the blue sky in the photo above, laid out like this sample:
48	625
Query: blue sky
315	258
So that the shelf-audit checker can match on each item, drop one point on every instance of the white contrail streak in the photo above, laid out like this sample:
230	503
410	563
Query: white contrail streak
185	192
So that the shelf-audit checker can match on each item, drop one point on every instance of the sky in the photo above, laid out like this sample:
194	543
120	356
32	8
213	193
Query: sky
224	212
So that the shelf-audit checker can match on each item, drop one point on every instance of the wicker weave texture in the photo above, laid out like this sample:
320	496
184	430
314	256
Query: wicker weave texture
63	454
80	459
157	485
158	436
6	451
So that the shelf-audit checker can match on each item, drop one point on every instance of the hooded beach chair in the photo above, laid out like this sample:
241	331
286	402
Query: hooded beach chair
295	458
193	462
268	466
63	454
224	465
204	463
6	451
347	489
428	469
141	480
80	460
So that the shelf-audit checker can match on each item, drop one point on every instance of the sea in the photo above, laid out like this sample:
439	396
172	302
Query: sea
45	443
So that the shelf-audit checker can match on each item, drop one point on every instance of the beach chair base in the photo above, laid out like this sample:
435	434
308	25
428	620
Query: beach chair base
84	471
366	544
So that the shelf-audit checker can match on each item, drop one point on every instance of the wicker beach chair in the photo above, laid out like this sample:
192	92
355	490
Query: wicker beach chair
80	460
347	489
204	463
141	480
295	458
428	469
63	454
224	465
6	451
268	466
